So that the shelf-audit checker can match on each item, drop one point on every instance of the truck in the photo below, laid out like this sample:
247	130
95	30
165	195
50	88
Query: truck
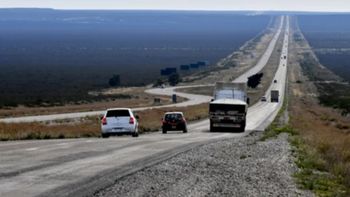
274	96
228	108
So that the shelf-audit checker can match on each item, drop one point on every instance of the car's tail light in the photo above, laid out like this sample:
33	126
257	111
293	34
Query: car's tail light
104	121
132	120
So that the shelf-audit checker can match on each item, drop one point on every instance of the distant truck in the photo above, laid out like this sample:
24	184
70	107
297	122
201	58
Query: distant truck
274	96
228	108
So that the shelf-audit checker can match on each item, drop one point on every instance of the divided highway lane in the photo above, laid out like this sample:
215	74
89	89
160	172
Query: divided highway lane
264	58
261	114
81	166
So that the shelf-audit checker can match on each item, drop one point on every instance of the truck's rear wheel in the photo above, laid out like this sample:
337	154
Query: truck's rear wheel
242	128
211	129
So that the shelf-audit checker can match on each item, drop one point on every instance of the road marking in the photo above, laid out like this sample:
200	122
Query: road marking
32	149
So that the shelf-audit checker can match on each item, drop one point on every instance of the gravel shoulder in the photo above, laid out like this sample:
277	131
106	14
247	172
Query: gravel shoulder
234	167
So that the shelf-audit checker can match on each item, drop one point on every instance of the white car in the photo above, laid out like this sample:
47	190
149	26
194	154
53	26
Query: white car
119	121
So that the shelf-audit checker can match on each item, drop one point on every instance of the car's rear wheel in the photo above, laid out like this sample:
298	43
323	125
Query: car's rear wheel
105	135
136	134
185	130
164	131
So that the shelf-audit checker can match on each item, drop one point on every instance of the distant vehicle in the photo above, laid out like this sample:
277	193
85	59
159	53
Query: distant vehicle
228	109
119	121
275	81
174	98
263	99
285	57
274	96
174	121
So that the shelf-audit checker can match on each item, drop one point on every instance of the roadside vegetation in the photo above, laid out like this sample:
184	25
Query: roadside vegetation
331	43
150	121
320	131
335	95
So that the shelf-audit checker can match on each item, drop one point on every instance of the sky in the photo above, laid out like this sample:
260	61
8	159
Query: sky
290	5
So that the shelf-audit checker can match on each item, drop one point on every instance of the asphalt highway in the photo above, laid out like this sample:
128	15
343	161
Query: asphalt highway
79	167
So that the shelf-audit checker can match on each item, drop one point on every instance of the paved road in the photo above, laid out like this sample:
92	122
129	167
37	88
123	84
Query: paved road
263	60
261	114
77	167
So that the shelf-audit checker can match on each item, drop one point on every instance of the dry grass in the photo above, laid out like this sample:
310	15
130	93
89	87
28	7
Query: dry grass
24	131
150	120
324	144
325	131
138	99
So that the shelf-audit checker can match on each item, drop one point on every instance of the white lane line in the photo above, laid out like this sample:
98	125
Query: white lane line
32	149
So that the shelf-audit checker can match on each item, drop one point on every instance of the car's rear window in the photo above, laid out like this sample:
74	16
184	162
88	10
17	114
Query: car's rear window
117	113
169	117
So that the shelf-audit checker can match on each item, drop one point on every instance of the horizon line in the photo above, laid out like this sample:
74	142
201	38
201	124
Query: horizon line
179	10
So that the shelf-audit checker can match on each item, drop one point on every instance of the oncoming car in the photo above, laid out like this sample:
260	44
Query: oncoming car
119	121
263	99
174	121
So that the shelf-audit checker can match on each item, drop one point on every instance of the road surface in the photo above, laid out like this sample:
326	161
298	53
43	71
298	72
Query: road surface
77	167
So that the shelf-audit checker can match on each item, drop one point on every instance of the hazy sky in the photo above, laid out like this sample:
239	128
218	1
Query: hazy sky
300	5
